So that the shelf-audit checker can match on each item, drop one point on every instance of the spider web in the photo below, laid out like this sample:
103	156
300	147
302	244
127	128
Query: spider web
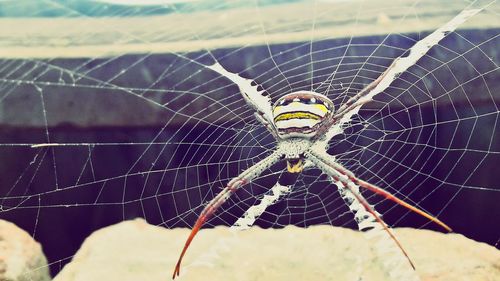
110	112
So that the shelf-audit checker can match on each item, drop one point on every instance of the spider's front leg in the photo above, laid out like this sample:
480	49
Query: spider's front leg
237	182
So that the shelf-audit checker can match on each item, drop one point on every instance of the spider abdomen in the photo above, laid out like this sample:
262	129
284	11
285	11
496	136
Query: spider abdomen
301	114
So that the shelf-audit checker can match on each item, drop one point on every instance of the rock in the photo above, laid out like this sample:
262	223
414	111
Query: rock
21	257
134	250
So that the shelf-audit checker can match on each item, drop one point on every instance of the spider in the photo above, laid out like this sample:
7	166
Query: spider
302	123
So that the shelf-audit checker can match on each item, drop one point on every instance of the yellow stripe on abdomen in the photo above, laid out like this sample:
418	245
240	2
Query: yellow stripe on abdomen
296	115
321	107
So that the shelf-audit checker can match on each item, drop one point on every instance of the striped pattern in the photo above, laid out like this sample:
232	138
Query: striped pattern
300	114
318	109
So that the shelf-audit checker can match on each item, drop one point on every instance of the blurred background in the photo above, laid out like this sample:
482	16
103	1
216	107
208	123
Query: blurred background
108	112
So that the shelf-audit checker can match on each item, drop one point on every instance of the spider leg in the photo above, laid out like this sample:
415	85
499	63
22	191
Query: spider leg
345	112
253	94
356	100
400	65
393	198
270	127
370	210
342	170
348	184
237	182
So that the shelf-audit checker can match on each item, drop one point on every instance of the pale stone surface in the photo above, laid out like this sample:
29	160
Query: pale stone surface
21	257
134	250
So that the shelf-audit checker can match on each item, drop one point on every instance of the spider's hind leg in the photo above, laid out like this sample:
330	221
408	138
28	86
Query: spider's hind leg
237	182
340	170
359	204
377	232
